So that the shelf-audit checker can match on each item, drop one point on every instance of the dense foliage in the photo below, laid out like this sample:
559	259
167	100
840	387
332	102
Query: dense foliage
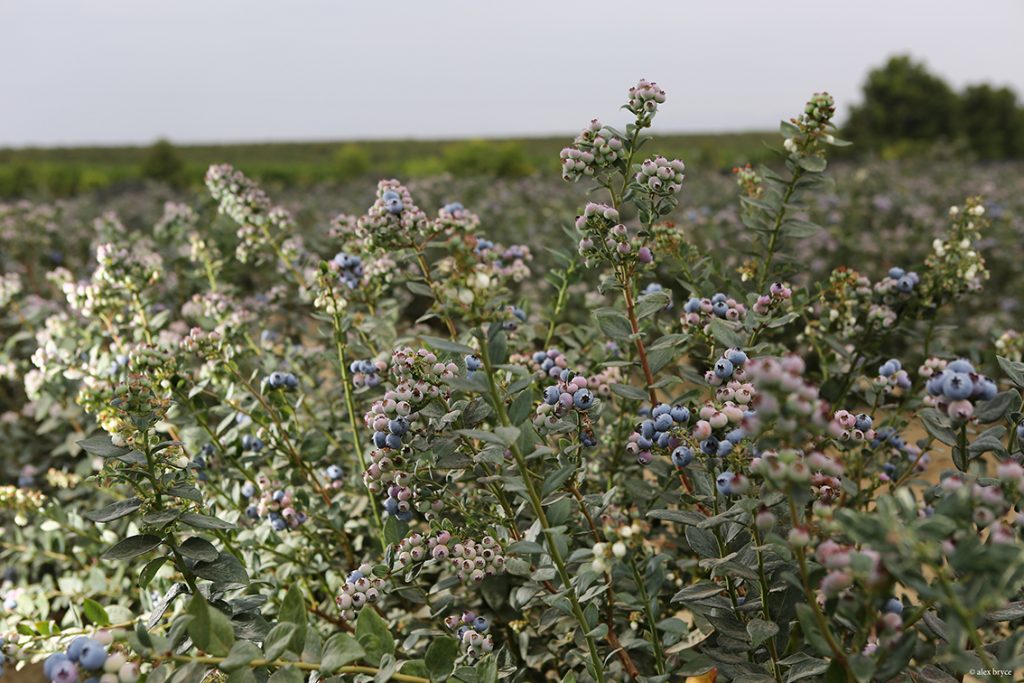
765	440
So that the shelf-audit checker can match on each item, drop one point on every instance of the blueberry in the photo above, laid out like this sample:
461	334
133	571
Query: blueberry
723	482
65	672
719	298
896	273
957	386
864	422
53	660
291	381
905	285
92	655
893	606
277	523
75	648
692	305
663	439
724	448
663	422
736	356
680	414
398	426
720	308
985	389
380	439
583	399
644	443
934	385
393	441
480	625
248	489
647	429
960	365
551	395
252	512
276	380
709	446
661	409
682	456
473	363
735	436
334	472
723	368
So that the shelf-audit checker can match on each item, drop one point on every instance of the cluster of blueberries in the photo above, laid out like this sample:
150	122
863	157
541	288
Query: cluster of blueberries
274	504
516	316
336	475
956	388
894	374
656	431
90	656
905	281
389	433
720	305
392	201
471	631
365	373
351	268
360	588
282	380
570	392
252	443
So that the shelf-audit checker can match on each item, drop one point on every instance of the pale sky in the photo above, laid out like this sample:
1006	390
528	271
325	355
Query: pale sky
129	71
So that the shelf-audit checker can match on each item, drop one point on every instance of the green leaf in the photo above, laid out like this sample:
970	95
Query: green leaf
133	546
420	288
226	569
288	674
242	652
209	628
339	650
652	303
373	634
726	333
293	611
630	392
102	446
795	227
279	639
440	658
95	612
760	630
998	407
613	323
198	521
1013	369
149	571
449	346
121	508
200	549
813	164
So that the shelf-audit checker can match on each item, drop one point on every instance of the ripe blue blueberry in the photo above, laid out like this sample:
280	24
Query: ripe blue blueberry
473	363
248	489
251	443
644	442
92	655
480	624
723	368
896	273
720	308
736	356
277	522
735	436
723	482
647	429
958	386
709	446
52	661
661	409
692	305
682	456
398	426
719	298
276	380
893	606
551	395
380	439
663	440
905	284
724	448
864	422
583	399
985	389
75	647
680	414
663	422
960	365
252	512
334	472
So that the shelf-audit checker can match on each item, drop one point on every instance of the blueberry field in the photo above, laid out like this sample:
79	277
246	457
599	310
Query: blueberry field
614	416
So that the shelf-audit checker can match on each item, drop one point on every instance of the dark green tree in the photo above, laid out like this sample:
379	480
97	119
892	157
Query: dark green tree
163	163
903	102
992	122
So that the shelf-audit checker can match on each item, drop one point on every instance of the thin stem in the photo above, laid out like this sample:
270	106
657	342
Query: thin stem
762	277
538	509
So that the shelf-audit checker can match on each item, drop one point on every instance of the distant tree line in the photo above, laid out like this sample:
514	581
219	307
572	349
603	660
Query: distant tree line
906	108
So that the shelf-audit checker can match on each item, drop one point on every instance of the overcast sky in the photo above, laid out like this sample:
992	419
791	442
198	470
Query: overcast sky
129	71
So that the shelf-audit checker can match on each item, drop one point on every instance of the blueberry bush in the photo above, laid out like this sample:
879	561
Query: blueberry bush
773	436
